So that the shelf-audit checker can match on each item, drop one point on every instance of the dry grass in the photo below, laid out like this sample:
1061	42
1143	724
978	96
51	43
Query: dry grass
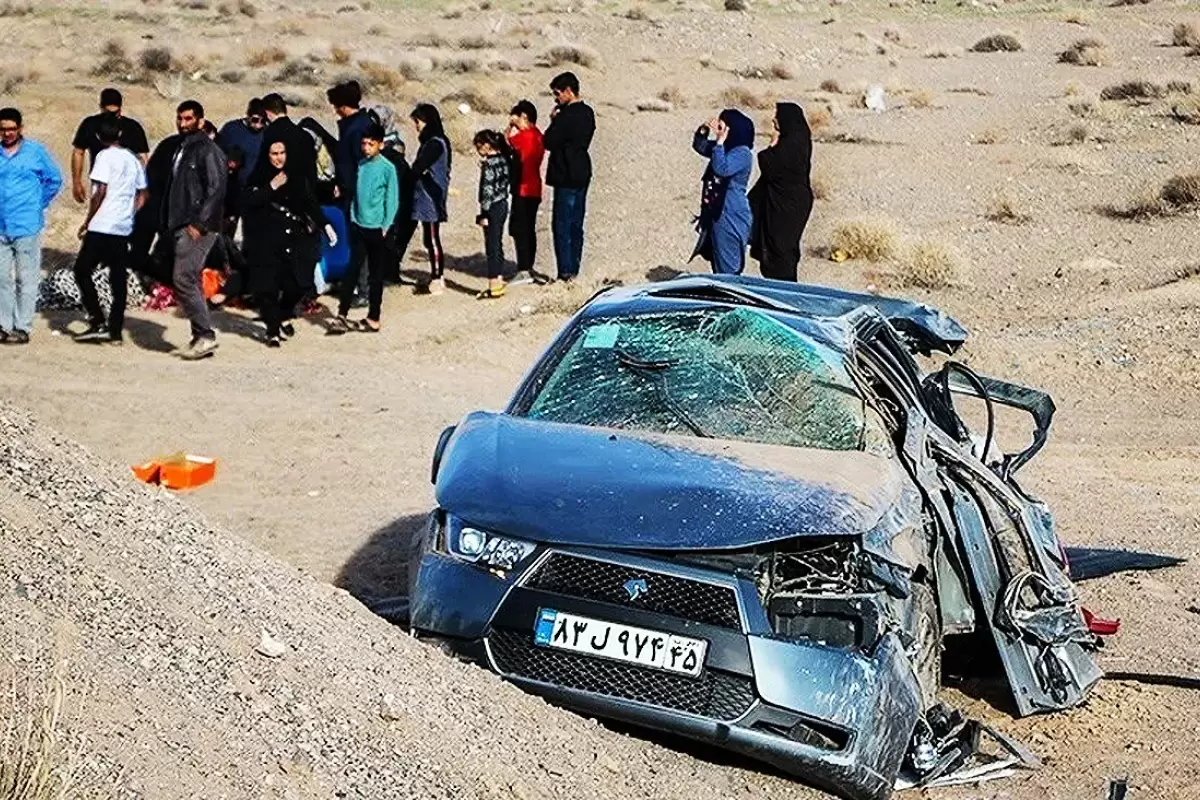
875	239
339	55
476	42
1078	133
457	64
579	55
831	86
928	265
942	51
291	27
1138	90
774	72
1187	109
988	136
737	5
232	75
1182	191
484	102
380	77
15	9
654	104
156	59
997	43
32	755
298	73
1185	34
921	98
1078	17
428	39
742	97
819	118
1085	53
265	57
1179	194
1003	209
673	95
822	182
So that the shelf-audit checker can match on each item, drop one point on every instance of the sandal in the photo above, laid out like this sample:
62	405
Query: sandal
338	326
364	326
491	293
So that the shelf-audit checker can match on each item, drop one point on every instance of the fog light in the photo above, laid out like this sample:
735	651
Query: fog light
471	542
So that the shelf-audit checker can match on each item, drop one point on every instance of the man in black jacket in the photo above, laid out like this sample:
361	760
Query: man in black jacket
194	209
301	149
569	171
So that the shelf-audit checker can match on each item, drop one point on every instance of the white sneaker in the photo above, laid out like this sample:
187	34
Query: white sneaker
198	349
522	278
437	286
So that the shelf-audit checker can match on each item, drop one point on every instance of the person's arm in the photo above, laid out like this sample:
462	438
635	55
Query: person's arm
726	163
77	188
51	179
391	206
701	142
139	200
99	192
427	156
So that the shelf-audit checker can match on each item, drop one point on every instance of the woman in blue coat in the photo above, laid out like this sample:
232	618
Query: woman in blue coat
725	220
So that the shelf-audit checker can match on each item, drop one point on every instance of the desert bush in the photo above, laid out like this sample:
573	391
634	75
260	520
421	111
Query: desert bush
112	66
1002	208
1133	90
997	43
1185	34
428	39
673	95
869	239
943	52
654	104
1146	205
33	759
113	48
380	77
476	42
928	265
156	59
819	118
247	9
291	27
297	73
638	14
265	57
1182	191
821	180
458	64
988	136
1179	87
742	97
831	86
1085	53
194	5
15	9
737	5
1074	134
479	100
1187	109
1119	3
232	75
571	54
774	72
414	67
339	55
922	98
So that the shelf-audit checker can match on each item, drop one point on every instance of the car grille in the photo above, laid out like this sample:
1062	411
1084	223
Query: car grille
716	695
587	578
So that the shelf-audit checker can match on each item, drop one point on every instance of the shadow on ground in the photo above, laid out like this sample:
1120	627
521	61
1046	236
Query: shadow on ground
379	569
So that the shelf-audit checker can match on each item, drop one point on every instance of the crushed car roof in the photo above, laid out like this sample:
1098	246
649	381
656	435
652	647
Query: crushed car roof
926	328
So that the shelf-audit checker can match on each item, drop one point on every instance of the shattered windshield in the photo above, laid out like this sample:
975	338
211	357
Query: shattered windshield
722	373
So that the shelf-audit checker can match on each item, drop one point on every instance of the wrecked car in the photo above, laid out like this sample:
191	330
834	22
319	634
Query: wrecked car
739	511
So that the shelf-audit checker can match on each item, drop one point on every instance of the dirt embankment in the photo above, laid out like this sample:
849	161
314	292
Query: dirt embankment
158	619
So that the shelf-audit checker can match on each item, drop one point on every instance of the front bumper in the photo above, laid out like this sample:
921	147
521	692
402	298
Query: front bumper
837	719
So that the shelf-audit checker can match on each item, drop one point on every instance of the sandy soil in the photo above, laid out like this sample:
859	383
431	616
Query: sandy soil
324	445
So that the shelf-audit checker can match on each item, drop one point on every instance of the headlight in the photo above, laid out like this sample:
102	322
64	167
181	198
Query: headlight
486	548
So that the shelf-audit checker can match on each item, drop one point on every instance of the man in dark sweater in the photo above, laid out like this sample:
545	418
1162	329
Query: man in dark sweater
301	149
569	171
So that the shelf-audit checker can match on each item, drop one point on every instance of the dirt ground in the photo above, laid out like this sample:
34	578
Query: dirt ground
324	446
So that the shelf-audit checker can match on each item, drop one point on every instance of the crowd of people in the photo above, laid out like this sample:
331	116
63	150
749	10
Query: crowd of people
297	194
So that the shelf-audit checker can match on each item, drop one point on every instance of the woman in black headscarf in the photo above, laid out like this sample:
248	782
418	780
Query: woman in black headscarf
782	199
724	220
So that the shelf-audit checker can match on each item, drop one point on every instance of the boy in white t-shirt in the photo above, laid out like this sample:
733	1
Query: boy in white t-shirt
118	191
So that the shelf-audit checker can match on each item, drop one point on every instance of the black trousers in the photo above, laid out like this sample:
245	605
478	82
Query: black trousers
278	307
112	252
366	245
493	239
523	227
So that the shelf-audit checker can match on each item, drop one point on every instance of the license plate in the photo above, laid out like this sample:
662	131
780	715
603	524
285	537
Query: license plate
593	637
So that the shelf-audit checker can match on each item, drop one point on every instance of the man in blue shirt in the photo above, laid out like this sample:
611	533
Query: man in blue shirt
246	133
29	182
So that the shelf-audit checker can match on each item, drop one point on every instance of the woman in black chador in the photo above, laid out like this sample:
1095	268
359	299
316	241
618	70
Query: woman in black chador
782	200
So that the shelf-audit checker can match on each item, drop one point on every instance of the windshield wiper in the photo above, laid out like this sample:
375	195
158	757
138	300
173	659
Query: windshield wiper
653	371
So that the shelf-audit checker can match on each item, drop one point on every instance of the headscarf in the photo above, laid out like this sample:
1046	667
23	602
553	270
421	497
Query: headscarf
791	120
741	129
429	114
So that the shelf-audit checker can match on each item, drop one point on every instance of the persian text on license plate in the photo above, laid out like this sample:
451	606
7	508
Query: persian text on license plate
666	651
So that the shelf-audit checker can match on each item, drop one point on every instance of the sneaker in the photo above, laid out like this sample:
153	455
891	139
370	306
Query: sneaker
198	349
286	331
18	337
273	342
360	302
94	333
522	278
437	286
115	341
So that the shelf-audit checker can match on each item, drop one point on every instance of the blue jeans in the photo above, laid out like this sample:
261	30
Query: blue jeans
566	223
20	272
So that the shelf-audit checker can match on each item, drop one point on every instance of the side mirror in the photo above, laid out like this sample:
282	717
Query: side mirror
439	451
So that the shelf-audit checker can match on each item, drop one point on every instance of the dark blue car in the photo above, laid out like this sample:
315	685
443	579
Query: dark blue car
739	511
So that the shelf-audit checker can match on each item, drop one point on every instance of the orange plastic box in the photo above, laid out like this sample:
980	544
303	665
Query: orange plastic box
178	471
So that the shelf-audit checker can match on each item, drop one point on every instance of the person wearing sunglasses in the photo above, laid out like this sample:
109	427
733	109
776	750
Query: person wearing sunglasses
247	134
29	182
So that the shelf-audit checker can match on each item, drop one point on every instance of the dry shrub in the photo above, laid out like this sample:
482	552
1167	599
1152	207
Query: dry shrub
1002	208
819	118
639	14
654	104
457	64
997	43
1195	51
414	67
265	57
291	27
247	9
943	52
113	66
822	182
428	39
297	73
478	100
1133	90
922	98
339	55
476	42
870	239
1187	109
775	72
1182	191
737	5
742	97
831	86
892	35
1185	34
1179	87
975	90
673	95
15	9
928	265
232	75
580	55
380	77
1074	134
1085	53
33	756
460	130
1146	205
156	59
1077	17
988	136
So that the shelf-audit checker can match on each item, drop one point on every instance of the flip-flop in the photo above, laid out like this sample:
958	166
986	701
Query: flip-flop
338	326
490	293
362	326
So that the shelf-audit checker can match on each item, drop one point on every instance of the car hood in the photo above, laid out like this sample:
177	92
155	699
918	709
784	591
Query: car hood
596	487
